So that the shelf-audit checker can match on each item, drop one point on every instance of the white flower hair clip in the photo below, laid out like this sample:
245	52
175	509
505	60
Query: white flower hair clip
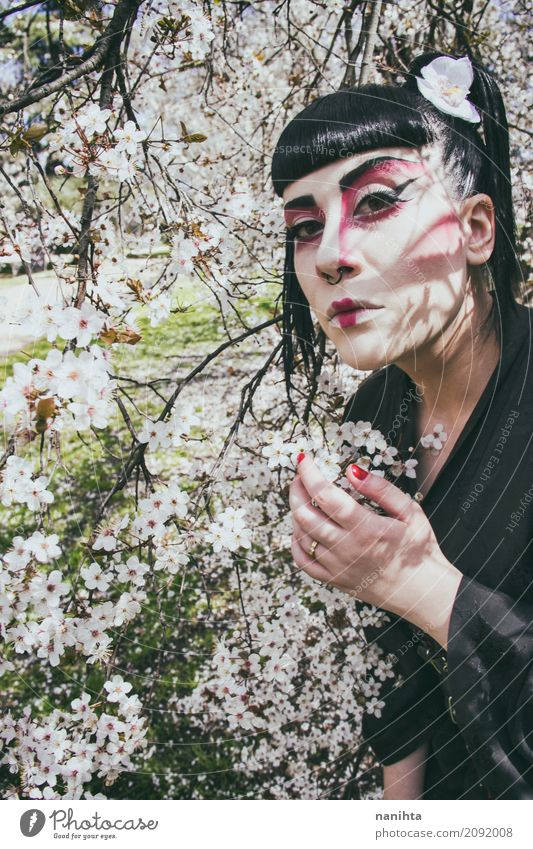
446	83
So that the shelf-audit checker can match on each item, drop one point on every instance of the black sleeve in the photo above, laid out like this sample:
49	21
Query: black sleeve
414	698
490	682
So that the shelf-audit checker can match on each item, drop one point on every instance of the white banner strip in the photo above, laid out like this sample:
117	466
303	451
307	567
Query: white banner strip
268	825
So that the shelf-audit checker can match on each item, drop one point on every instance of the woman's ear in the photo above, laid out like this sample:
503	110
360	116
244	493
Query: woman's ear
478	216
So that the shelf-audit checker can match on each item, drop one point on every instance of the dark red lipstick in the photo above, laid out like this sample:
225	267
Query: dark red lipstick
345	312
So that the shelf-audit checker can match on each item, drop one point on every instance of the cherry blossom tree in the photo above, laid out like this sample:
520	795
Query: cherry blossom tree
157	640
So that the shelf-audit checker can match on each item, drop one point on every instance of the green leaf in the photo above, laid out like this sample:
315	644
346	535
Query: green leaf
35	132
17	145
194	137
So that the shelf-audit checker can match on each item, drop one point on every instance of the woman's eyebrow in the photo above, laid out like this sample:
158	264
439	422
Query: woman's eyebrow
346	181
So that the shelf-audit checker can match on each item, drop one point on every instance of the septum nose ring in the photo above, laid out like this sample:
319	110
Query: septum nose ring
334	282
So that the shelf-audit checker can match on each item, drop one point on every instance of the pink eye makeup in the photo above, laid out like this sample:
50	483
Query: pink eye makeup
382	198
295	230
378	203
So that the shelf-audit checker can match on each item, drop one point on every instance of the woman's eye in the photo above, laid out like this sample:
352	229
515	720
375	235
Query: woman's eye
375	203
305	230
370	205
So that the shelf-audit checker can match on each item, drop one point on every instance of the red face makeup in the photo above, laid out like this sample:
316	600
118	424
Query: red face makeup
379	252
370	193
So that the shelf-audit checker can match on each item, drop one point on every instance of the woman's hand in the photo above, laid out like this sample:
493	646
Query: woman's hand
393	561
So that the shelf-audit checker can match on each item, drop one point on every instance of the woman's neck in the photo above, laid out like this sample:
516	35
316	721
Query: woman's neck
452	372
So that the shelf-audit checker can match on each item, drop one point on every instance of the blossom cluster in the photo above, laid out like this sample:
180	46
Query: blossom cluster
45	391
58	757
296	675
87	146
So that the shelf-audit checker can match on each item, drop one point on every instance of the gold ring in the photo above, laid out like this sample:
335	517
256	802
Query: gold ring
312	548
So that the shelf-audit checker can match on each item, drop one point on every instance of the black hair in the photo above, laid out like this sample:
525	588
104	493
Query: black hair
359	119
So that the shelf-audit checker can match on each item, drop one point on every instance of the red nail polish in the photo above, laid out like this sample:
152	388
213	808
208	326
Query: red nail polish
359	472
300	457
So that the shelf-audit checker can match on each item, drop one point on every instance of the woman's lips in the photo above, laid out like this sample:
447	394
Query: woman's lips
349	318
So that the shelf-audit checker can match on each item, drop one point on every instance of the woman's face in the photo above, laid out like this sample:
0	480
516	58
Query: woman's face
388	220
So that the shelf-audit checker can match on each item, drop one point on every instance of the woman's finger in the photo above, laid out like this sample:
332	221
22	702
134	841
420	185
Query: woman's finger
298	494
329	498
394	501
310	565
308	520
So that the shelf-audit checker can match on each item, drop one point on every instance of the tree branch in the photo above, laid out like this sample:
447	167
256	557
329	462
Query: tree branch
138	450
370	42
21	8
353	51
106	43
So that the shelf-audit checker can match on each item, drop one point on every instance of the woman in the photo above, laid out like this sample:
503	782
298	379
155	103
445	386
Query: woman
401	244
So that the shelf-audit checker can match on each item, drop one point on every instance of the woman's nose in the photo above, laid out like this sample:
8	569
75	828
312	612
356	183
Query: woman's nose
334	260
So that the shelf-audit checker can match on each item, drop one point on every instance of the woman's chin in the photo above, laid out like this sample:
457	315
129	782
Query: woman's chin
363	361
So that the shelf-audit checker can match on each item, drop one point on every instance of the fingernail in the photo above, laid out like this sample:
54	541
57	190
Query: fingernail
300	457
359	472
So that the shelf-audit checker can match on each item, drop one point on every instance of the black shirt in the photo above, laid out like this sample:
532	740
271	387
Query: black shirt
476	709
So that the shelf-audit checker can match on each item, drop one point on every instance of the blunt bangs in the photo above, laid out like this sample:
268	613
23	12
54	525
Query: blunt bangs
347	122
